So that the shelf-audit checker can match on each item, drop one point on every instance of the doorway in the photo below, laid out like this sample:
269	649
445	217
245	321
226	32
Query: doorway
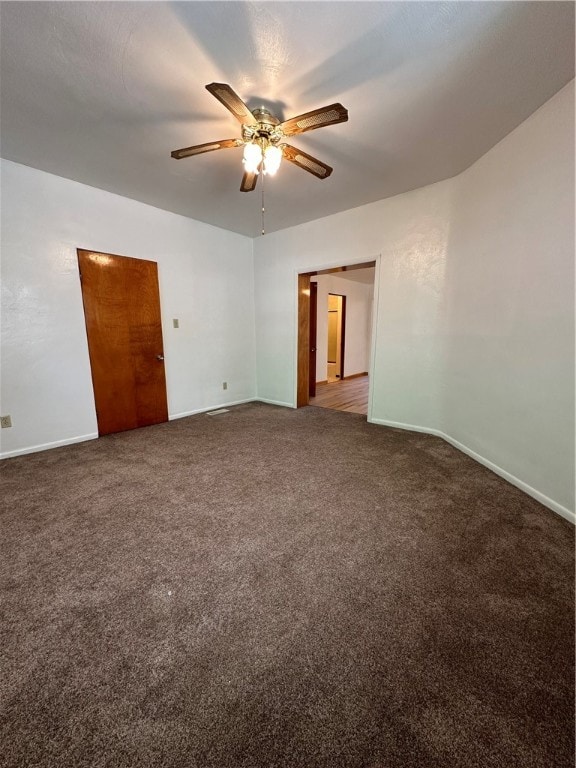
123	325
349	395
308	379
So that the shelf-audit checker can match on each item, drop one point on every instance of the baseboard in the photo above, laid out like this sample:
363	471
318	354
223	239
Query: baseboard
94	435
48	446
407	427
322	382
183	414
274	402
543	499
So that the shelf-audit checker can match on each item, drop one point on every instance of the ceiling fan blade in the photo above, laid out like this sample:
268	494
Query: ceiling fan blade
210	146
232	101
248	182
318	118
306	161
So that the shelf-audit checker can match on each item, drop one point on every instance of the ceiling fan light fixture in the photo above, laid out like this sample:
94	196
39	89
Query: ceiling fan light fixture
252	157
272	159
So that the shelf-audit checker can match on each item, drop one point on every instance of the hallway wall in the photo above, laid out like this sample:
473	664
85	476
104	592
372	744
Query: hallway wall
358	323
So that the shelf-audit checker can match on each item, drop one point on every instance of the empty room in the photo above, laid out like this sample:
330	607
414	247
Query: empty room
287	394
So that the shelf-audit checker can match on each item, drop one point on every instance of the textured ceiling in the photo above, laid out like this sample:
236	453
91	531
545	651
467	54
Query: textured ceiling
102	92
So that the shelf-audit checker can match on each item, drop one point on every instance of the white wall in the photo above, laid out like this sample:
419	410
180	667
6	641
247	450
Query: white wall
474	315
509	392
206	281
358	324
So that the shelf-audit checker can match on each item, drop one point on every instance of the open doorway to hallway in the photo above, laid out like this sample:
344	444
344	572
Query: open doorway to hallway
334	337
348	395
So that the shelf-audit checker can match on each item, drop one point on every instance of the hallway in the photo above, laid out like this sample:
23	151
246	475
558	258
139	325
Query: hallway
347	395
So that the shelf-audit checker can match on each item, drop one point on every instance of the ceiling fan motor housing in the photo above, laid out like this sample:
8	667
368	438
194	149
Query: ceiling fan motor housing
265	128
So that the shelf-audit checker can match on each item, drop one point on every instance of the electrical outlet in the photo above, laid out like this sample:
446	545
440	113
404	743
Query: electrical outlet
5	421
176	323
224	385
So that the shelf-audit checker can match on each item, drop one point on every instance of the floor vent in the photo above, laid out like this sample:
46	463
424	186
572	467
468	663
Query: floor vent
218	412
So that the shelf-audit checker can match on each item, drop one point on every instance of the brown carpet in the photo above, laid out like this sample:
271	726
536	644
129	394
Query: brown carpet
273	588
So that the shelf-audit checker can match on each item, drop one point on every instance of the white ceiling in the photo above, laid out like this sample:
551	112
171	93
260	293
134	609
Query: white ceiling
101	92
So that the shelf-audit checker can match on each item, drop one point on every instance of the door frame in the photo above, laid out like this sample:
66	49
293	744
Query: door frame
313	338
302	325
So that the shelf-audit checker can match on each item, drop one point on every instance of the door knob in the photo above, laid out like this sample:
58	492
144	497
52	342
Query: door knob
160	357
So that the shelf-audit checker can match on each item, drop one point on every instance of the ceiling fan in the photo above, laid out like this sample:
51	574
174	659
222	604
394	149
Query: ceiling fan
263	137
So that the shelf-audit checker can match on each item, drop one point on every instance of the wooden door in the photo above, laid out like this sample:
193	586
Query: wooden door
313	326
122	311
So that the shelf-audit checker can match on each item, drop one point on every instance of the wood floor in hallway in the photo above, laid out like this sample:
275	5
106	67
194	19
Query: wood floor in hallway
348	395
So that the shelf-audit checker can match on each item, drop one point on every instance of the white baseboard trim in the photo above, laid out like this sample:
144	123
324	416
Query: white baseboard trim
94	435
274	402
48	446
546	500
407	427
173	416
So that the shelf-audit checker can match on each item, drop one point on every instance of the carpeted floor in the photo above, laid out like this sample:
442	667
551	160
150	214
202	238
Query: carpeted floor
277	588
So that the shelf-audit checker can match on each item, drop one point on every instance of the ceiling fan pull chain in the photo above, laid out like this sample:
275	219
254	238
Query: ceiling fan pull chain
263	209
